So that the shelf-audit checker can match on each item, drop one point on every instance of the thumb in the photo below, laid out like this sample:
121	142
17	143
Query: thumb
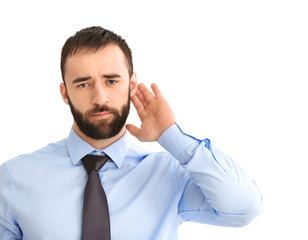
133	130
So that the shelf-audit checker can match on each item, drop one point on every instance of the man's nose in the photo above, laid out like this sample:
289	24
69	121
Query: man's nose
99	95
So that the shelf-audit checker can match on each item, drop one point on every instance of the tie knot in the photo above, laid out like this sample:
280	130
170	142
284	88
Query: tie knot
94	162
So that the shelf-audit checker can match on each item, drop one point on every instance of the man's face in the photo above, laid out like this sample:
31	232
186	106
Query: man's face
98	91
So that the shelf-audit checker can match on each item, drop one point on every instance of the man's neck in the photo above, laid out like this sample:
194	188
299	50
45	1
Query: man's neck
98	144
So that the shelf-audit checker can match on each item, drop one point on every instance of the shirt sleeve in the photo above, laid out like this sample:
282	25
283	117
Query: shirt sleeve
217	190
9	230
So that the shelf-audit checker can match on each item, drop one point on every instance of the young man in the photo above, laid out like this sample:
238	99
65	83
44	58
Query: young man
148	194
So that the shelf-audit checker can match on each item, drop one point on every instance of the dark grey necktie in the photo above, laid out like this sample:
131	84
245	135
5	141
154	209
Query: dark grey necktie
95	220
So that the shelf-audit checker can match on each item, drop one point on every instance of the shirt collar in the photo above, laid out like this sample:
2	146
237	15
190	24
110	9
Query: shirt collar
78	148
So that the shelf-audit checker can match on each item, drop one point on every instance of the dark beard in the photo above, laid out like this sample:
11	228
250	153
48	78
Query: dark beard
104	128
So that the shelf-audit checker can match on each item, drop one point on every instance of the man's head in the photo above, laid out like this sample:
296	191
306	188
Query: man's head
92	39
98	81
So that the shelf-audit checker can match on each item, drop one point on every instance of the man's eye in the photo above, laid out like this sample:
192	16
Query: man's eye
83	85
111	82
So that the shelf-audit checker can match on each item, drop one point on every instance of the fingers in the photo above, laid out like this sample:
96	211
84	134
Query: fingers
145	95
141	98
156	90
133	129
138	105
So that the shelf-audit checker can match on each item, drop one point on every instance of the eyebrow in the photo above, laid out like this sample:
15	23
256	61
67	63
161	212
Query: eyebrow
108	76
112	76
82	79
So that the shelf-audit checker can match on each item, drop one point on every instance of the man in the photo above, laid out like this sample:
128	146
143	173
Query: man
42	194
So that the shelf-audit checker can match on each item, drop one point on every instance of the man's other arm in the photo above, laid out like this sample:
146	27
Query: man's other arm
218	191
9	229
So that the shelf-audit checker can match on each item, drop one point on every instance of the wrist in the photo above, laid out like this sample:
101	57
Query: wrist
175	142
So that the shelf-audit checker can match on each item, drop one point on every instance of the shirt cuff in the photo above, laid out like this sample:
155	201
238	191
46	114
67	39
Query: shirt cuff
179	144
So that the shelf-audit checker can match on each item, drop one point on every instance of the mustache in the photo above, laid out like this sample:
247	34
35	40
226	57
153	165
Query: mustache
103	108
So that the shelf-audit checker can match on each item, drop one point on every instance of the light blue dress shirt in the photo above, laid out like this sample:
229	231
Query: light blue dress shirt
149	194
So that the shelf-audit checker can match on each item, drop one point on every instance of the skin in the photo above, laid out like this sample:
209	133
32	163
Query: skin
101	77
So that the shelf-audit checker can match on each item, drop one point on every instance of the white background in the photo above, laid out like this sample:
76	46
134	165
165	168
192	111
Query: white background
234	72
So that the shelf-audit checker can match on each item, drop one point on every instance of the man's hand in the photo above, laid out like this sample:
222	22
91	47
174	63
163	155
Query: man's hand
154	112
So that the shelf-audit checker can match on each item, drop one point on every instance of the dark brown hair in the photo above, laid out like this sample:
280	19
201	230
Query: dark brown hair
93	39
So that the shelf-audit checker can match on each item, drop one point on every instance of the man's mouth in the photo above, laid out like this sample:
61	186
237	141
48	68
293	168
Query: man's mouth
101	115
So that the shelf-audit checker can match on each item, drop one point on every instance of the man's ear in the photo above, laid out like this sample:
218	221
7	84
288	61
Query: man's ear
133	84
63	93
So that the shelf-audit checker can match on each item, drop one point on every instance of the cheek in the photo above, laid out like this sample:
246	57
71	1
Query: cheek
125	97
119	97
80	102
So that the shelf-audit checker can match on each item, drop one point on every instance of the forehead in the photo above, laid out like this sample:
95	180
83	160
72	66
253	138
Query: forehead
106	60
